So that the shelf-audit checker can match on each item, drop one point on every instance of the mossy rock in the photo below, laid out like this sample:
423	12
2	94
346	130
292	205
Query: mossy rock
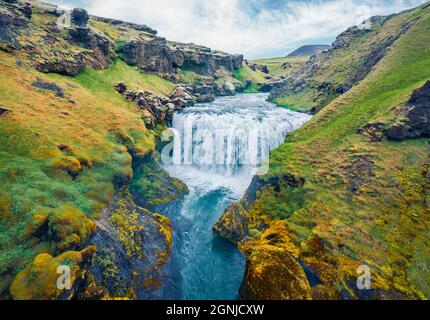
38	281
69	228
273	274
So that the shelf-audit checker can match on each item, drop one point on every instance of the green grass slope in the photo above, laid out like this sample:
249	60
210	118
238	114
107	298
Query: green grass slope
282	66
354	54
63	153
363	202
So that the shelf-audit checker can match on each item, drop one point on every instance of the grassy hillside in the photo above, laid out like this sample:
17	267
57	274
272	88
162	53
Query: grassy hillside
362	202
353	55
250	78
282	66
62	152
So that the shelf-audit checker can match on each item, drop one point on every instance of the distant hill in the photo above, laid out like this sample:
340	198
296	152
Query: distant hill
309	50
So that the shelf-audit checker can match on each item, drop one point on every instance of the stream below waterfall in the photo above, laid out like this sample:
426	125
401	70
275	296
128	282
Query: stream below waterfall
216	150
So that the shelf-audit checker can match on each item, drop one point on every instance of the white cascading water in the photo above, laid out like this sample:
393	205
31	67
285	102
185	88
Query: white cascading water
217	148
228	138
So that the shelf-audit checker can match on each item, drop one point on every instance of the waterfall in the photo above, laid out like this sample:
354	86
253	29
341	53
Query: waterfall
230	137
216	150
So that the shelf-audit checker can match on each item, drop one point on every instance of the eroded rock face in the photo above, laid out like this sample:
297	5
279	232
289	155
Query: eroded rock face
413	120
11	22
102	48
149	56
155	109
133	245
273	274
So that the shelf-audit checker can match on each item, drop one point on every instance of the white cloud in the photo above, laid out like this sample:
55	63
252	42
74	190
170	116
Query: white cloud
228	24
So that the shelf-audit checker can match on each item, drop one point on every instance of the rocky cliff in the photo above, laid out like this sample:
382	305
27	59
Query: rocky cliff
57	41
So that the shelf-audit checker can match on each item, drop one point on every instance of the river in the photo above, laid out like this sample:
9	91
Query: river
216	151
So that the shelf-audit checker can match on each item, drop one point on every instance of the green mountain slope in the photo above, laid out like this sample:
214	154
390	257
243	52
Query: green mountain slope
353	55
337	198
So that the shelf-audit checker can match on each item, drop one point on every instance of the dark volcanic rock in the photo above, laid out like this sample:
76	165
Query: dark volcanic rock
259	183
413	120
80	17
26	10
149	56
3	111
50	86
61	63
102	48
132	247
10	25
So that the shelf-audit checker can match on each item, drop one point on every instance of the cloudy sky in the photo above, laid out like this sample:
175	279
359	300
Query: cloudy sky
256	28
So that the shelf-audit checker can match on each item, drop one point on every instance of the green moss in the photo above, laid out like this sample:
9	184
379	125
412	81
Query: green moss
69	228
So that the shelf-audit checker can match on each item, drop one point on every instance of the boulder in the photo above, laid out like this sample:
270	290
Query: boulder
133	245
38	281
3	111
120	87
412	120
80	17
271	273
233	224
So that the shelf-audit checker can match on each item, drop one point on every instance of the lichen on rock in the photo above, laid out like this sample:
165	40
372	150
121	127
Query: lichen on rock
38	281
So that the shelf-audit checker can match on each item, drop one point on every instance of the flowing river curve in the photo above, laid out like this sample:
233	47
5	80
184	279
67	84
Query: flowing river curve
217	147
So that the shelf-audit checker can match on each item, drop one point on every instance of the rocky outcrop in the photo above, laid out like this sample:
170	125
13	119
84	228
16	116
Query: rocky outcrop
161	56
259	67
79	17
149	56
133	245
50	49
154	109
271	273
152	186
12	21
203	60
38	281
101	47
233	224
412	120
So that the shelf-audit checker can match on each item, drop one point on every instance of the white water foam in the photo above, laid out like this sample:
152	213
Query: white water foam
220	144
